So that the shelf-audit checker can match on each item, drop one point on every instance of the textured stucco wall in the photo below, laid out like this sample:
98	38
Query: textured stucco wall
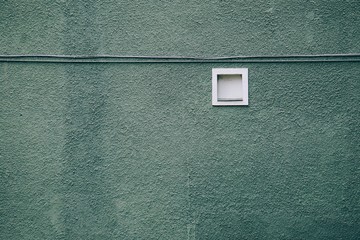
136	151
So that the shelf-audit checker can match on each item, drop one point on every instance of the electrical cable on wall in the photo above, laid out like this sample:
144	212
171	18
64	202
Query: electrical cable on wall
348	57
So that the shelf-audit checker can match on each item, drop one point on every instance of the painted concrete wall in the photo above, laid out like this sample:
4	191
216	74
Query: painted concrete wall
136	151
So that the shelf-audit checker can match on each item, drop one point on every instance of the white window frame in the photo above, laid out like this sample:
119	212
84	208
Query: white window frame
230	71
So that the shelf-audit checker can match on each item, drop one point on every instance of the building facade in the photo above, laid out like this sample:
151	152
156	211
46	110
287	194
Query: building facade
120	147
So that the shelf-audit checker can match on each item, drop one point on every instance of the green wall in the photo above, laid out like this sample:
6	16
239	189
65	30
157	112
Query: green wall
136	151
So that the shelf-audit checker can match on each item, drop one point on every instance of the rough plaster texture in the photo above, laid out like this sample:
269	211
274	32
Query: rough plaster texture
136	151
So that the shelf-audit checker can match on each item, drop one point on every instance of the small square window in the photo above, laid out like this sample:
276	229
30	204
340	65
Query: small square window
229	86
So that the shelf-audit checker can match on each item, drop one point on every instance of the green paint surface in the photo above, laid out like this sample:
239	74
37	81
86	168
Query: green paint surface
136	151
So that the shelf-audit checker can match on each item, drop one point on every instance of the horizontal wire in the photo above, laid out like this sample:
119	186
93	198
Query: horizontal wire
179	57
184	61
348	57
